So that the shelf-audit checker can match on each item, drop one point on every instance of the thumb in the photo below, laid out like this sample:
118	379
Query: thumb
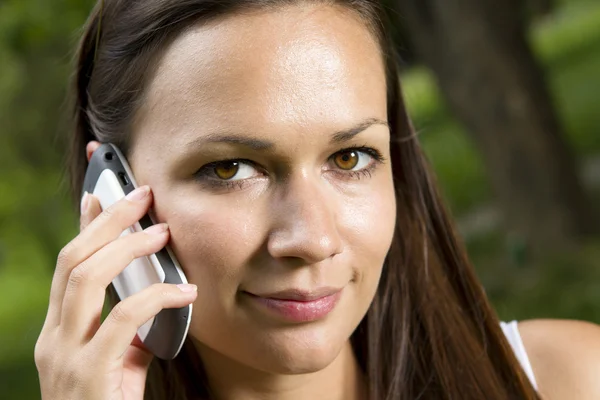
136	361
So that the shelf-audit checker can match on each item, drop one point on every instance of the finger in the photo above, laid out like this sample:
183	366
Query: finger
90	148
90	209
102	230
86	287
121	325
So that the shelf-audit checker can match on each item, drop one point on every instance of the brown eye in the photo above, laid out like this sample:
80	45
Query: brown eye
346	160
227	170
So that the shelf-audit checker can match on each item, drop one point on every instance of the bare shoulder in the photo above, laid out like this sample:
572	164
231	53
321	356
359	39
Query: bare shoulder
564	356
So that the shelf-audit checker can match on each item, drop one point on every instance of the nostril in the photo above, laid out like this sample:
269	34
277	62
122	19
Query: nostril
304	245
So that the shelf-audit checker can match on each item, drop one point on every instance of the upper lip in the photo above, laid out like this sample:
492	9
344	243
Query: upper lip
300	294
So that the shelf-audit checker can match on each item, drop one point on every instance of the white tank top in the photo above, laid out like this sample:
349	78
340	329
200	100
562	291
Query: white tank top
511	331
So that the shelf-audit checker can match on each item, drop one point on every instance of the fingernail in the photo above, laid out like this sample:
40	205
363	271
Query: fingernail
186	287
157	229
85	203
138	194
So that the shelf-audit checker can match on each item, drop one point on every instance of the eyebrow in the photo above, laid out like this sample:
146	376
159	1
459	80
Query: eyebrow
347	134
261	144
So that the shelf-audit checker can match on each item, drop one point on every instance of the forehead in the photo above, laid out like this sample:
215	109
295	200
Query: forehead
295	67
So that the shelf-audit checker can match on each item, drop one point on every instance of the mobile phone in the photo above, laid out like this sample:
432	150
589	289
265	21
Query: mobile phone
109	178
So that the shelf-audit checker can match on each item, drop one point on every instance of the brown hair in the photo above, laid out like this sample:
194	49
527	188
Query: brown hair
430	332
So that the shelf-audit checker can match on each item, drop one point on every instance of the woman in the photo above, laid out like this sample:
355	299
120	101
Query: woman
276	152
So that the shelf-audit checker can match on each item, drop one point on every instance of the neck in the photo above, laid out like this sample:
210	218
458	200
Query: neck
230	380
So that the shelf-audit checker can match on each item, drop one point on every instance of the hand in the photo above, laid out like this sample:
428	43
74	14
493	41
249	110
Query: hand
77	355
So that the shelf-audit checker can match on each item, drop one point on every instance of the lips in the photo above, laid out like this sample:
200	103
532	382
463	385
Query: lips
296	305
299	294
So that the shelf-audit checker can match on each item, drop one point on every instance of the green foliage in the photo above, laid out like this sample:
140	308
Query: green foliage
563	285
35	219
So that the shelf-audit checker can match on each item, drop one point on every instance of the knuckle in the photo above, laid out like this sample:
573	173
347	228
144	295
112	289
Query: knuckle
137	245
66	256
78	275
43	354
164	292
40	355
130	246
110	212
119	314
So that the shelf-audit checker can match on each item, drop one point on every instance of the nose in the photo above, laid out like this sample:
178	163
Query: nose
304	222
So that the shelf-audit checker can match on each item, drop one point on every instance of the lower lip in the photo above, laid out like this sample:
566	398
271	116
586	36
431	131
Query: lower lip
298	311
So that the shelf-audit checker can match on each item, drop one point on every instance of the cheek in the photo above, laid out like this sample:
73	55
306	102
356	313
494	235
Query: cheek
368	226
213	241
369	233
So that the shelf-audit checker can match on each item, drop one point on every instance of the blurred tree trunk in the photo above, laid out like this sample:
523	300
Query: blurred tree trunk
487	73
540	8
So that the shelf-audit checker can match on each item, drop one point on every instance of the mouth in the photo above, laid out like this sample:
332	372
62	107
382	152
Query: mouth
299	294
296	305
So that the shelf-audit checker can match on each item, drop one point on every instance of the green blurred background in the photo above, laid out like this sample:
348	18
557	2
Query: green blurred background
37	38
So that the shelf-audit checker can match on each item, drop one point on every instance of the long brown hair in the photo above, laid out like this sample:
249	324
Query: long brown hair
430	332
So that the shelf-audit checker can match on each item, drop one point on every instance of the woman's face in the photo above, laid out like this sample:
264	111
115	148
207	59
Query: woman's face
287	239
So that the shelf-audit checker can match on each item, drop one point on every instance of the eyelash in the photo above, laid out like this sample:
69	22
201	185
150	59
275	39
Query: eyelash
203	172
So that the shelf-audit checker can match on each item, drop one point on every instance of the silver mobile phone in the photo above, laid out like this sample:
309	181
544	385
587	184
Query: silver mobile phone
109	178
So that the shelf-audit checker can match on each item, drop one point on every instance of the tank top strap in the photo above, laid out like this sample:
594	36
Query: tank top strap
511	331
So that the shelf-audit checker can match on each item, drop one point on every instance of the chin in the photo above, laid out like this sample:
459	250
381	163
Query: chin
277	349
302	352
297	364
